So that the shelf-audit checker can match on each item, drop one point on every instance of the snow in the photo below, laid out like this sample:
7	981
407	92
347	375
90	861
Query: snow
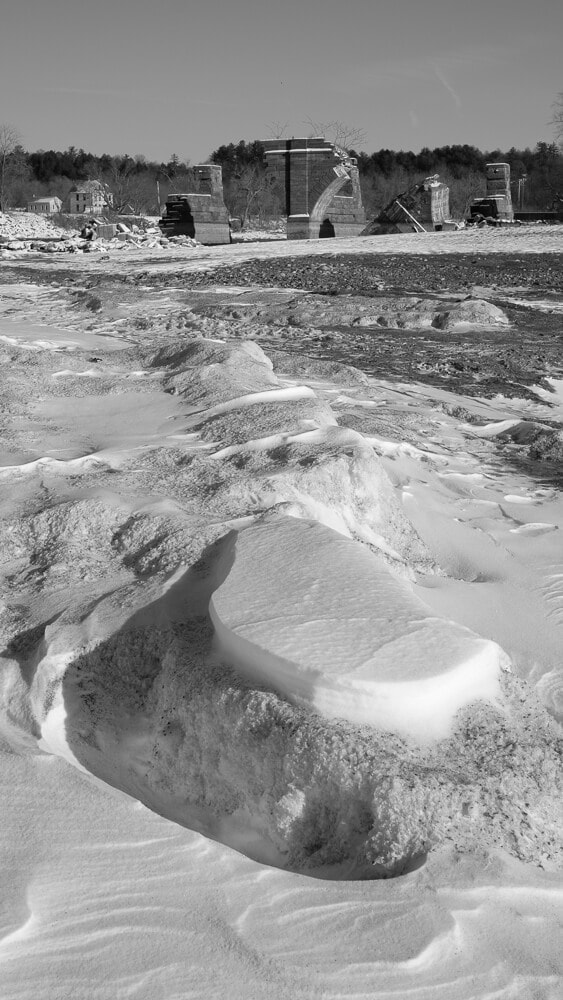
317	617
287	639
103	899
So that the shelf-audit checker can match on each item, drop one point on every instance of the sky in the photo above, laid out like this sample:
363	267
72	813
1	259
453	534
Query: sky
183	77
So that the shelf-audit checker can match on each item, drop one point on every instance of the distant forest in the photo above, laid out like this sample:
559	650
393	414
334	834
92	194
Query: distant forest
140	186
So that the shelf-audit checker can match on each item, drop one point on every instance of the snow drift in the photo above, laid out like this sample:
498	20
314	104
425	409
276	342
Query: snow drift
220	621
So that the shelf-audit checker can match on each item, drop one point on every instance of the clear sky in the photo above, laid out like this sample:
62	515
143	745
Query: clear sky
183	76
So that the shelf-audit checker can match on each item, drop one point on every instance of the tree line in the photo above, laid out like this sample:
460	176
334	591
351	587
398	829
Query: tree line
140	186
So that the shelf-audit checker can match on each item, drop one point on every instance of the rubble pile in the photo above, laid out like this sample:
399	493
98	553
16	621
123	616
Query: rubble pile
21	234
21	225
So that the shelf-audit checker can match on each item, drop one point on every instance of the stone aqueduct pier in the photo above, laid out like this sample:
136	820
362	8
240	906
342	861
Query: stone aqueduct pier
320	185
317	183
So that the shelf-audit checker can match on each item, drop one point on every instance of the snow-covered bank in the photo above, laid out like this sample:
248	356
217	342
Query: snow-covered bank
103	899
132	501
197	638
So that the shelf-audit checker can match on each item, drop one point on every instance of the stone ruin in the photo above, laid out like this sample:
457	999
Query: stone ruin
497	203
319	187
424	207
201	214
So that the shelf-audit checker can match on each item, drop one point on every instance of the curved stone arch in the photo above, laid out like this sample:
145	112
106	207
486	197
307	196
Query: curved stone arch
321	205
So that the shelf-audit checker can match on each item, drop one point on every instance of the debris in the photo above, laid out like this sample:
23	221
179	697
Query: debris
496	206
424	207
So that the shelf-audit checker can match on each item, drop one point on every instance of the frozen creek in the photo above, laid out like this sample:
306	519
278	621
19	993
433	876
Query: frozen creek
334	650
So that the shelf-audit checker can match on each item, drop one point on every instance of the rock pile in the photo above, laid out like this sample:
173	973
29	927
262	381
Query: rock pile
23	233
24	225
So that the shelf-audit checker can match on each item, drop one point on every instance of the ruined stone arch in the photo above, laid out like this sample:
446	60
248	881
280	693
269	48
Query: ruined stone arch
321	206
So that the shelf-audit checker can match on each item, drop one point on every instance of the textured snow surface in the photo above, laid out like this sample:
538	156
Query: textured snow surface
317	617
202	567
101	899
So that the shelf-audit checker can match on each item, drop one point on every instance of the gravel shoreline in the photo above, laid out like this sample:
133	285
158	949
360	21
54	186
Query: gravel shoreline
370	273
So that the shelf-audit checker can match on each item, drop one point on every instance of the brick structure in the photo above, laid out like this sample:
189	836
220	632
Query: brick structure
498	188
201	214
318	184
497	203
425	207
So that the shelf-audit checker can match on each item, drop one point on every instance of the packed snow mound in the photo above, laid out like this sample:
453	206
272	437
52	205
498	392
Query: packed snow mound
122	602
300	412
410	312
429	313
470	313
272	443
132	685
154	707
317	617
208	372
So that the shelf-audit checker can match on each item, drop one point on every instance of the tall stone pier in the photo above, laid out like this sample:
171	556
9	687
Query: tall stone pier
202	213
498	189
319	185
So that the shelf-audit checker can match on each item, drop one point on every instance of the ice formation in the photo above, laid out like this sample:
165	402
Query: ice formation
317	617
214	611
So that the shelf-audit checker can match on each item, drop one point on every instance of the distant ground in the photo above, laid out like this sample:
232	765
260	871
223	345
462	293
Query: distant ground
509	361
528	286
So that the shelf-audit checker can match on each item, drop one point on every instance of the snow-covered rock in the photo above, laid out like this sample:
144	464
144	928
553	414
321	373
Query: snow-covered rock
470	313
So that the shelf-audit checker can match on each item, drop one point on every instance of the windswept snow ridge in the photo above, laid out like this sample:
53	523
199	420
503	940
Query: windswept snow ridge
217	617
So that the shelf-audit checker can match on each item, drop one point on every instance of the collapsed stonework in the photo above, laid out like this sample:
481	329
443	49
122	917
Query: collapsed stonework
319	187
201	214
497	203
424	207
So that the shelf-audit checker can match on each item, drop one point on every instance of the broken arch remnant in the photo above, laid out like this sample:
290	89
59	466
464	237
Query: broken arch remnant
319	187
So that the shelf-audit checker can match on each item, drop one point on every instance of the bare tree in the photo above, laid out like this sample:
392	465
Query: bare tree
346	137
251	191
277	130
557	119
9	141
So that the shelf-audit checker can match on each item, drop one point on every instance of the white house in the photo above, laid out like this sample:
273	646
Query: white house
88	198
45	206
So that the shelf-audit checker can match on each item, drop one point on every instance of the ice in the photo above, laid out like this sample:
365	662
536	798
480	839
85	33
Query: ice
534	528
492	429
266	396
320	619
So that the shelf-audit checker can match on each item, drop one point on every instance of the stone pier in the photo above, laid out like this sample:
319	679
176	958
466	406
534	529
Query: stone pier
202	213
318	183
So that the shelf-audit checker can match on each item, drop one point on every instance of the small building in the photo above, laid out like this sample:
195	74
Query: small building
45	206
88	198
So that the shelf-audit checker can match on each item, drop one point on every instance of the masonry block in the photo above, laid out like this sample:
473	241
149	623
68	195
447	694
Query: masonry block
201	214
319	185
